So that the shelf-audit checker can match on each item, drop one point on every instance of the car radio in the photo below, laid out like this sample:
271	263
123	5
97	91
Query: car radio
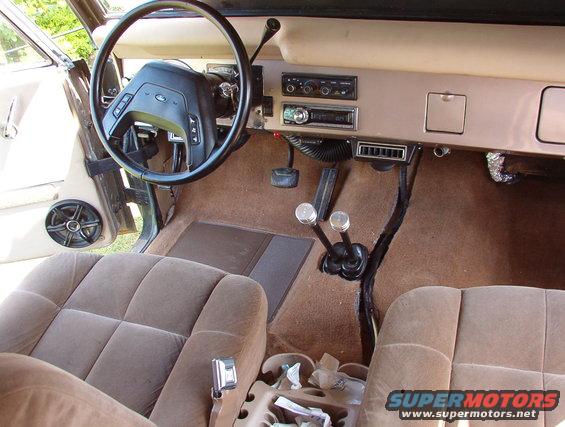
330	116
319	86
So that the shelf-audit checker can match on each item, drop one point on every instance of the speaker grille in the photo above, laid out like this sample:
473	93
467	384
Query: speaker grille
73	224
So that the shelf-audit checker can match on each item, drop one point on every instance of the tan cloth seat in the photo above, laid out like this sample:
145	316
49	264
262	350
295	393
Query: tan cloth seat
36	393
142	329
496	337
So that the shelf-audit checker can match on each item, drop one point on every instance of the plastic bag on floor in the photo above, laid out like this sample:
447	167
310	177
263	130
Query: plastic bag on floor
340	386
289	379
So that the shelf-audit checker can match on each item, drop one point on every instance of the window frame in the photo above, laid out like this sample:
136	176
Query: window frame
36	38
21	66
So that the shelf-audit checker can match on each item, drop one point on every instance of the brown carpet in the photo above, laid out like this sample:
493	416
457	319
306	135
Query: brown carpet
464	230
461	230
318	314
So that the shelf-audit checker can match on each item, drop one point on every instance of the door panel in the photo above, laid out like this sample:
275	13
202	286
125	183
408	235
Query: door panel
42	162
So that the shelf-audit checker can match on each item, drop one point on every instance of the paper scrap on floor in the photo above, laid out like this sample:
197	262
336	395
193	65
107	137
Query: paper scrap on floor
289	379
311	417
341	387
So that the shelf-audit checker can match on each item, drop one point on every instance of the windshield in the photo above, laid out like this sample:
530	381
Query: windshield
510	11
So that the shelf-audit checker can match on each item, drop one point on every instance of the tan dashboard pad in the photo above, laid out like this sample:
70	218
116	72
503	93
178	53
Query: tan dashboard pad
511	51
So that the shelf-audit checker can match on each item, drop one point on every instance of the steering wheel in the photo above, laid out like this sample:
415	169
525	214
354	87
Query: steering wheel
170	97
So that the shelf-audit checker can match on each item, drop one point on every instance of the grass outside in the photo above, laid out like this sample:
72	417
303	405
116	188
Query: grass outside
123	242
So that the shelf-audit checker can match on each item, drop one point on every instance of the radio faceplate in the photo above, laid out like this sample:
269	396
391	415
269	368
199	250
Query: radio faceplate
326	116
319	86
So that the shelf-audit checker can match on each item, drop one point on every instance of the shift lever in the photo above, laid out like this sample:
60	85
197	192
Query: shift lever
307	215
340	223
272	26
356	255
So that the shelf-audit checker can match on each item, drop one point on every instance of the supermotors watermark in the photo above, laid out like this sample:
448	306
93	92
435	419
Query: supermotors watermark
455	405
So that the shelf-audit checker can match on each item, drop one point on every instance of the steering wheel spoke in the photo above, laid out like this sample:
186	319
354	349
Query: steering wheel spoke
181	103
171	97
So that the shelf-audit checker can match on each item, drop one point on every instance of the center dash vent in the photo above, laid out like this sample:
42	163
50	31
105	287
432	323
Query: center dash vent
376	151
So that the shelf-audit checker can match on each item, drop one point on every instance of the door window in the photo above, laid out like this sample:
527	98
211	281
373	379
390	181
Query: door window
59	22
15	50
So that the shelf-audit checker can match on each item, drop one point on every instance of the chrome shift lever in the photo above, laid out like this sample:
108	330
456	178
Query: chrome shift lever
307	215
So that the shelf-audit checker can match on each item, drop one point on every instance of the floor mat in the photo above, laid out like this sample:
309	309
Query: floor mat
319	313
270	259
463	230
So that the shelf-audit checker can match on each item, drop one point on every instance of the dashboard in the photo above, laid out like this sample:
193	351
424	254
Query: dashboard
477	103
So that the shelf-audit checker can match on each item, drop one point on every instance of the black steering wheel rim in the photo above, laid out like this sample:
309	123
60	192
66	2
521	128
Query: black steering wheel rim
218	156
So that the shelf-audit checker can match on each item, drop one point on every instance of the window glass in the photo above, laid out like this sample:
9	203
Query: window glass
14	49
56	18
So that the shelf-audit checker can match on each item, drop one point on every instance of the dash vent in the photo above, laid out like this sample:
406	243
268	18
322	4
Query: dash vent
370	150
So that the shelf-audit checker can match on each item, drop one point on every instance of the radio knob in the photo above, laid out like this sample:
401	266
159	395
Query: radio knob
309	87
290	88
300	115
326	90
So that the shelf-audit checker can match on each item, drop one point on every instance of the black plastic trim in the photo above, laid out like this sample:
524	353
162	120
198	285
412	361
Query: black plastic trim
477	18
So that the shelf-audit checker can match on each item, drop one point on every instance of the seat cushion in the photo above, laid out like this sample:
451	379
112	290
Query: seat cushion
487	338
35	393
130	325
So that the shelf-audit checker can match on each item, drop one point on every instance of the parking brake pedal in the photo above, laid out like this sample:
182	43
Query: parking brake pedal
324	193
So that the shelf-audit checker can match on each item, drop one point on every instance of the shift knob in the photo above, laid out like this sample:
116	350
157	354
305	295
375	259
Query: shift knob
339	221
306	214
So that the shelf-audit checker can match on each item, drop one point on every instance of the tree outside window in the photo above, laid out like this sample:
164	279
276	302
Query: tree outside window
56	18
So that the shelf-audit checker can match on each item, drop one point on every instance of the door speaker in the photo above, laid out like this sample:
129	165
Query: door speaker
73	223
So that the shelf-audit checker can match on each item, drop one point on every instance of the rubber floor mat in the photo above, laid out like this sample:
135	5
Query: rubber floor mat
270	259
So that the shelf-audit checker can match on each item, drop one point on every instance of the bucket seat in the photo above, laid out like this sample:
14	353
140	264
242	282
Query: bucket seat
483	338
126	339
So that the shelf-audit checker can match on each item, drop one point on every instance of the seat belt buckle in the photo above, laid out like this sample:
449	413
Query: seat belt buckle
224	376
